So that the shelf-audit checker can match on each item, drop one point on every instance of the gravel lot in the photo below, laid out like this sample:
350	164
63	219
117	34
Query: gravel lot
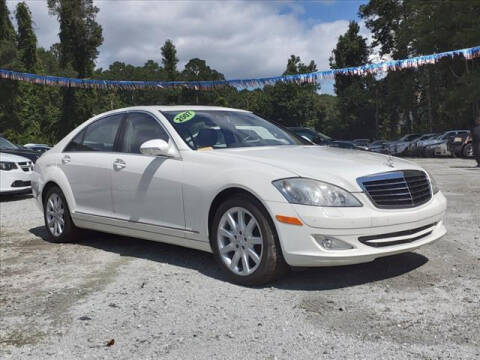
68	301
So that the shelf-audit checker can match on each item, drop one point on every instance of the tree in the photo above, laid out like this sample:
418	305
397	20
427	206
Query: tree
354	98
295	66
80	36
434	97
198	70
8	57
7	32
8	50
170	60
294	104
26	39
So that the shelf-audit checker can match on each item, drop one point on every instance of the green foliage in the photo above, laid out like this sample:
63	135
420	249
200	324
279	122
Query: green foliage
26	39
170	60
7	32
80	35
354	92
432	98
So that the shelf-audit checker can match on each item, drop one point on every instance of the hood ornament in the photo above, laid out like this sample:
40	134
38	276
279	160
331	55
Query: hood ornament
389	162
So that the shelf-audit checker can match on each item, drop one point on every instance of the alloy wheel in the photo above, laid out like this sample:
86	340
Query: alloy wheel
55	214
240	241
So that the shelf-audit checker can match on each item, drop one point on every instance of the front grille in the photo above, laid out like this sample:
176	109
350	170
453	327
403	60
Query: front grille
397	238
25	166
397	189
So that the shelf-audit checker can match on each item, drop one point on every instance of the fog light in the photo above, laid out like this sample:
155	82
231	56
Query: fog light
330	243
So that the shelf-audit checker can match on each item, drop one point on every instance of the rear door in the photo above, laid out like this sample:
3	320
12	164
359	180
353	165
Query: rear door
147	189
87	162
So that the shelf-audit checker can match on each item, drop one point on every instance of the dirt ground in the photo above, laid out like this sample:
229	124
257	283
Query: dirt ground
160	301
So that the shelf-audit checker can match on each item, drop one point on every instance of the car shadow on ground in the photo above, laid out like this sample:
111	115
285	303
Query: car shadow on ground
326	278
14	197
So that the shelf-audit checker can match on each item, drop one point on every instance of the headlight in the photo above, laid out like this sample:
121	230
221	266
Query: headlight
6	165
435	188
315	193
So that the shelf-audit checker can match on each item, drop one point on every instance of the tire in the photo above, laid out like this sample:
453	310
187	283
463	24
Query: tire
55	210
233	245
468	151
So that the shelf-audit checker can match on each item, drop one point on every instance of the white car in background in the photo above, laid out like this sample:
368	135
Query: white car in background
229	182
15	174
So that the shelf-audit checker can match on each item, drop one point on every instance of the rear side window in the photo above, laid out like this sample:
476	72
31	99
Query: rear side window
98	136
140	128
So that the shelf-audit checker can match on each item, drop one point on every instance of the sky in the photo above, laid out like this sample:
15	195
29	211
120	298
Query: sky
239	38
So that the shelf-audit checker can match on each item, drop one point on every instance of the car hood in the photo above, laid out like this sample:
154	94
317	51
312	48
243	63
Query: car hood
12	158
30	154
431	141
334	165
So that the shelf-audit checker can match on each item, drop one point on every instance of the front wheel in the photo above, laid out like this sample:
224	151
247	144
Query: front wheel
59	224
245	244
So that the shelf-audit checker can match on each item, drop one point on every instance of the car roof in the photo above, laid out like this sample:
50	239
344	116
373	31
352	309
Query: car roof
180	107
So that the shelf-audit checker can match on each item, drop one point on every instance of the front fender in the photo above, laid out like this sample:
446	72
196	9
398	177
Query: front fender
201	190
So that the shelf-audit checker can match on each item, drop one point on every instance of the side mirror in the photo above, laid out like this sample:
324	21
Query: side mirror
157	147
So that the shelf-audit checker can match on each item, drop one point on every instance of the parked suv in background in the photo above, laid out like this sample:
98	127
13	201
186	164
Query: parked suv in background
458	144
8	148
435	145
413	148
377	146
400	146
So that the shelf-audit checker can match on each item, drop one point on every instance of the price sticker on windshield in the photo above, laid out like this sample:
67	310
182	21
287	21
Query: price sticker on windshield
184	117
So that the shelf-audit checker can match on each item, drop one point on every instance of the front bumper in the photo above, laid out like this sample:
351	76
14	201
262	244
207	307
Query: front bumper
442	151
15	181
300	248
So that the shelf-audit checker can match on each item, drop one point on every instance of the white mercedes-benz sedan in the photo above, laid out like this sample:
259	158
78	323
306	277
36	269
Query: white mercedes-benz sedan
229	182
15	174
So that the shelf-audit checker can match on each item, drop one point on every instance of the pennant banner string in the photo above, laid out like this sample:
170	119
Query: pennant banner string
240	84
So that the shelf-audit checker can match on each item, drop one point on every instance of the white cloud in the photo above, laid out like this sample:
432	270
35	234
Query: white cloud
238	38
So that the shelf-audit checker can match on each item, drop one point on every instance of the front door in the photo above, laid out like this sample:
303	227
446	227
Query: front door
147	189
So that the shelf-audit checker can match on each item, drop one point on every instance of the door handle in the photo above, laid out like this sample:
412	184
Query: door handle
119	164
66	159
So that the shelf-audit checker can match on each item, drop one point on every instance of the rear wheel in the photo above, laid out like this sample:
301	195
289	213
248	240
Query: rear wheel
59	224
245	243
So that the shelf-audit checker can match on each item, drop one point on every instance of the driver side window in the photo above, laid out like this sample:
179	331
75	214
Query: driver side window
140	128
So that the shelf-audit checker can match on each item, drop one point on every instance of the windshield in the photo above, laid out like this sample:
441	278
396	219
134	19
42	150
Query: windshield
445	136
5	144
211	129
412	137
